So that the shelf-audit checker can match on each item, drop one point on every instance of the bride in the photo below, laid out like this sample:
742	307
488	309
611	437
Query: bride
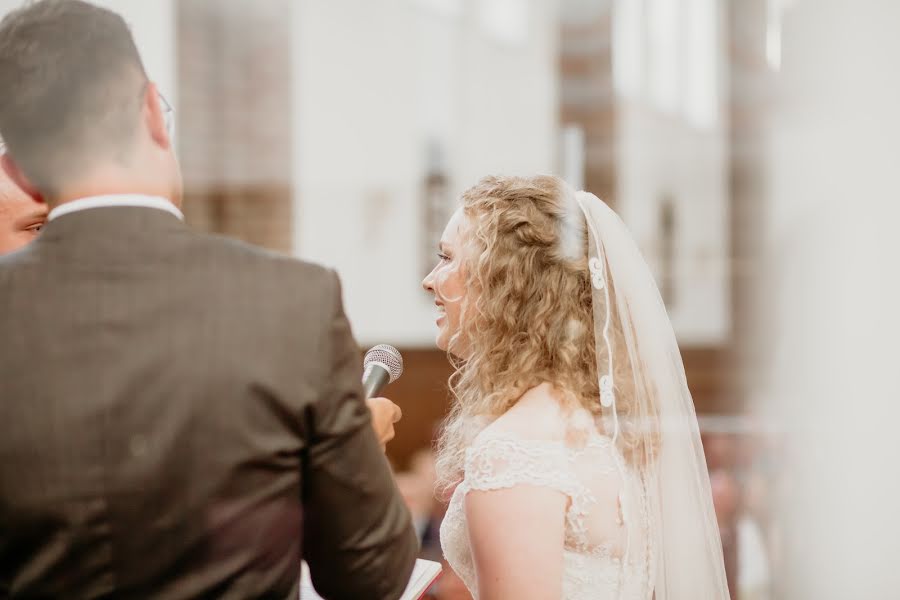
571	456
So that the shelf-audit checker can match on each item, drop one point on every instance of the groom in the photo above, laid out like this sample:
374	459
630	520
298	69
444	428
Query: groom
179	411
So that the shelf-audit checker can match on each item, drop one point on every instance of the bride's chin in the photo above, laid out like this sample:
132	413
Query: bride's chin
442	339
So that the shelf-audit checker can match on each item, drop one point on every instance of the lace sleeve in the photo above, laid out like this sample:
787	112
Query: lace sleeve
498	463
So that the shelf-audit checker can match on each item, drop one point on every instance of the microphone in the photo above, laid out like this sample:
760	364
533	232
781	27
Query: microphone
382	365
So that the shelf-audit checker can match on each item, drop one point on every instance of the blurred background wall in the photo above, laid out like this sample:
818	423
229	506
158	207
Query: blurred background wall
750	145
343	131
831	297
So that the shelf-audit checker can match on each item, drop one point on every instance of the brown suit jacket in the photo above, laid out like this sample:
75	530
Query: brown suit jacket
178	412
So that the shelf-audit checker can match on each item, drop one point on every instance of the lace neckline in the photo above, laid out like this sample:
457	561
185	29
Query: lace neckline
594	440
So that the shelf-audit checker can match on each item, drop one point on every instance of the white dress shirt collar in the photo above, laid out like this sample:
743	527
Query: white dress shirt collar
133	200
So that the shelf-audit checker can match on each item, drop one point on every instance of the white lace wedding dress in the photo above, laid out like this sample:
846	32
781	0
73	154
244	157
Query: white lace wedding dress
607	549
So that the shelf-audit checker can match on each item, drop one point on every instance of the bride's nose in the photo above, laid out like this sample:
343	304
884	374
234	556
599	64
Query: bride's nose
428	283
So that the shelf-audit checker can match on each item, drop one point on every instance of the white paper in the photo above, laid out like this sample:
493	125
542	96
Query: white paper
423	575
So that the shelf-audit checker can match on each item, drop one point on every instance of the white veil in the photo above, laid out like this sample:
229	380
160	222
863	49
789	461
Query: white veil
658	434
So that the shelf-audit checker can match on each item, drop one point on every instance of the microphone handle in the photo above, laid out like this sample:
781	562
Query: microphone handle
374	380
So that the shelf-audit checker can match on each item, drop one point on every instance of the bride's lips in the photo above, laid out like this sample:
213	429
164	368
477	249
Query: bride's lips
442	314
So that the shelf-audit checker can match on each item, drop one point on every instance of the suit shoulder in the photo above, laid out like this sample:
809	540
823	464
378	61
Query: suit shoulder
22	256
246	256
18	263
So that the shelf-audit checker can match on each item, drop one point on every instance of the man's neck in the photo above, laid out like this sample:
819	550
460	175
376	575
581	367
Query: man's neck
110	184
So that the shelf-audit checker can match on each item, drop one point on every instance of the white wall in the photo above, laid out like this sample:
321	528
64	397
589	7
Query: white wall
672	144
374	82
662	160
833	254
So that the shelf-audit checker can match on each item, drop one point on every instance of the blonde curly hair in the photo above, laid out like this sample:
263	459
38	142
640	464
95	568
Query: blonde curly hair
527	317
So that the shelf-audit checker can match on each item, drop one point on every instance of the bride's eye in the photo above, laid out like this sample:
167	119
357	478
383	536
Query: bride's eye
443	257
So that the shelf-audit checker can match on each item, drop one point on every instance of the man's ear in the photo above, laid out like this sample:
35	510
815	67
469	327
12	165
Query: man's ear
155	119
15	173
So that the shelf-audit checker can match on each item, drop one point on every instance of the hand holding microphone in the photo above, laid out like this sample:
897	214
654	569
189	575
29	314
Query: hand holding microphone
383	365
385	414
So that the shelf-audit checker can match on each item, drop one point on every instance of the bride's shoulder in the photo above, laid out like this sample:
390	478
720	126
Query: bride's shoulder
537	416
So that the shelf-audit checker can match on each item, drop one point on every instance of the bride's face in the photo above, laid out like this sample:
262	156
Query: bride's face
447	283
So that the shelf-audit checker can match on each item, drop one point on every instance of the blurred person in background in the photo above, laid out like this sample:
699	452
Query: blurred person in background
21	219
417	485
423	465
173	438
756	524
726	499
743	543
572	423
754	557
418	493
721	450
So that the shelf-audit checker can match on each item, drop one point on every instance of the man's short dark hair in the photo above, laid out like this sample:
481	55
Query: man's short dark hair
72	82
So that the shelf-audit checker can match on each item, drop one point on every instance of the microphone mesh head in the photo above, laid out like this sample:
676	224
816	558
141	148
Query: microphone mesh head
387	356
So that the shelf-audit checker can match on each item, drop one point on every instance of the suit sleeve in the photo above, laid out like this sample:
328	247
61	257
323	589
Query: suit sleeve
358	536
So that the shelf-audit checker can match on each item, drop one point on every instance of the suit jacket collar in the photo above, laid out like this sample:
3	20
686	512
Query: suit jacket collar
128	200
108	235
